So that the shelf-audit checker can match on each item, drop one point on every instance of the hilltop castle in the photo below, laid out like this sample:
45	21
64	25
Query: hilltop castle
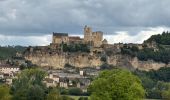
94	39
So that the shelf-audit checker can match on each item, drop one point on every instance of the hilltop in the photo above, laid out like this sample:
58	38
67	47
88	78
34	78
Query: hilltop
156	48
94	51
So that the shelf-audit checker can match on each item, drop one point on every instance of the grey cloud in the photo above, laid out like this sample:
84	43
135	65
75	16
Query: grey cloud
36	17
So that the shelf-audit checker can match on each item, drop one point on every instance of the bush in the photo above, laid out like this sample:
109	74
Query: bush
83	98
75	91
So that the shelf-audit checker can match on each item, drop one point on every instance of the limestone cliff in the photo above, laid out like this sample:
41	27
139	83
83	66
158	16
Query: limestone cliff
78	59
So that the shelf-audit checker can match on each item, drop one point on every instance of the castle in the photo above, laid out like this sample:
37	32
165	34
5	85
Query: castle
57	56
94	39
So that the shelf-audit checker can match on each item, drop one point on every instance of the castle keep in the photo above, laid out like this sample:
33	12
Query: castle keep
94	39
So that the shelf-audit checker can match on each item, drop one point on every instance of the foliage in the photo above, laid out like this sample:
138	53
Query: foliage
29	86
145	54
4	92
106	66
160	56
163	46
83	98
155	82
163	38
166	94
116	84
103	58
75	48
54	95
75	91
64	91
66	98
9	51
159	75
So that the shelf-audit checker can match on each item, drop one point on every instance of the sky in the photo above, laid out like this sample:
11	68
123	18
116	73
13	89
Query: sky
31	22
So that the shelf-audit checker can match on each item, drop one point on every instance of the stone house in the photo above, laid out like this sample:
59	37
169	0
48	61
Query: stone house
5	68
64	82
49	82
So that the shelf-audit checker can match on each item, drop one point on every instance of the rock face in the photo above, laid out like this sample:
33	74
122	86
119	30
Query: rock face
60	59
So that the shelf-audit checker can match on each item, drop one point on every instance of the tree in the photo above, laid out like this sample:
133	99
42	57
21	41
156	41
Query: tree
54	95
4	93
75	91
83	98
116	84
29	85
166	94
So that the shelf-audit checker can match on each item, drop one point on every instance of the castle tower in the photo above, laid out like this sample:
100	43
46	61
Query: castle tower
87	34
97	38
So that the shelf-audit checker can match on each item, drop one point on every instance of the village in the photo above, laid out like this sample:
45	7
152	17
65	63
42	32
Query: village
67	77
64	75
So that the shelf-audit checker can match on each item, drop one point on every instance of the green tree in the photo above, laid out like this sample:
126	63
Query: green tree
54	95
4	93
29	85
166	94
75	91
116	84
83	98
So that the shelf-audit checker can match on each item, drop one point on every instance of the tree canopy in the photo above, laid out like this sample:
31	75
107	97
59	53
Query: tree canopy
163	38
4	92
116	84
29	85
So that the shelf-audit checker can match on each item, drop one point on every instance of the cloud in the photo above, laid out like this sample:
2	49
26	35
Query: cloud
119	36
125	37
25	41
42	17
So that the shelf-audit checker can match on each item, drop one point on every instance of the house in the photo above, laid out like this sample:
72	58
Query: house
81	73
64	82
8	81
5	68
18	61
50	82
1	75
54	77
83	84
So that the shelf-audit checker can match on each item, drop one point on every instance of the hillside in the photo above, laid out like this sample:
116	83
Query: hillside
156	48
9	51
162	39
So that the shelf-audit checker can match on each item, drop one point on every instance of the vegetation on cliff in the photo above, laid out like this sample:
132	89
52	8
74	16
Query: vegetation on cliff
9	51
162	54
75	48
163	38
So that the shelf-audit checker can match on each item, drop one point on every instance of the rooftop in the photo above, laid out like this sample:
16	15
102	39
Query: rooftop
60	34
7	66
